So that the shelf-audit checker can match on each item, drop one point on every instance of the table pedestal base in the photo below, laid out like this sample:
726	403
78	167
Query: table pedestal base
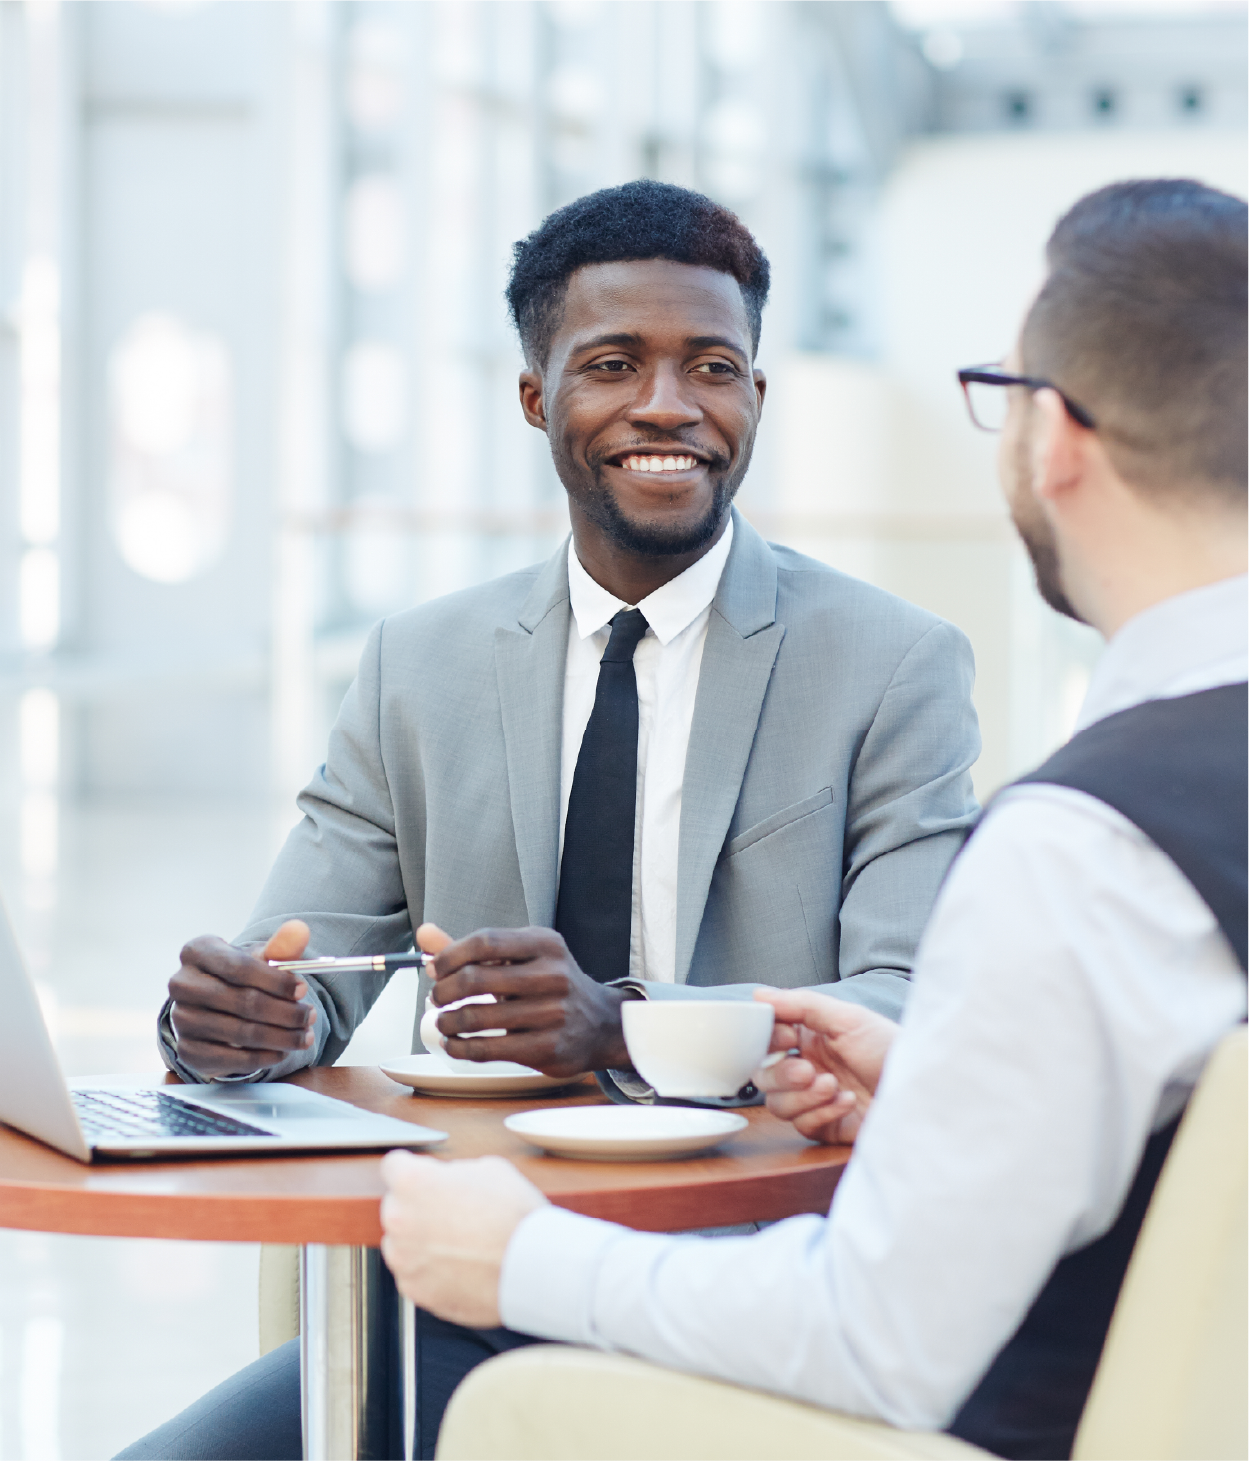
357	1357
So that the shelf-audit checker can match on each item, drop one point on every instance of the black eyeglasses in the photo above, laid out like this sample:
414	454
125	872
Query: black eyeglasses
988	402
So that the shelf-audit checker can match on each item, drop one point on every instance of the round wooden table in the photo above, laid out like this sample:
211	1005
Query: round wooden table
350	1319
765	1172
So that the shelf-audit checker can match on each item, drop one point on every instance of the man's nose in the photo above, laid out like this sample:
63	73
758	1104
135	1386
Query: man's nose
664	400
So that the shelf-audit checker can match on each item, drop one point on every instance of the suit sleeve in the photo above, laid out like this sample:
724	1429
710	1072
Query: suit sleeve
910	803
339	872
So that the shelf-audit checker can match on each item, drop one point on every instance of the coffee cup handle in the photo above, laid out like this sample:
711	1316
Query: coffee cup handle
431	1036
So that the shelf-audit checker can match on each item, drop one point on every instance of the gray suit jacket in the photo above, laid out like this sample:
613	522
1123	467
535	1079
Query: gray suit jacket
826	786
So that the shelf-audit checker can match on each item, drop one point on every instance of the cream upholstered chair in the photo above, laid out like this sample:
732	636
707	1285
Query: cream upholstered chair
1171	1383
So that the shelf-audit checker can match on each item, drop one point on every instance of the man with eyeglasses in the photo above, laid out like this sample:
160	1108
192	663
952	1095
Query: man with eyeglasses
1085	956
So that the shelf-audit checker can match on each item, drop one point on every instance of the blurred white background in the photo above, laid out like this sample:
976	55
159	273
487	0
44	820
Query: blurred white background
257	388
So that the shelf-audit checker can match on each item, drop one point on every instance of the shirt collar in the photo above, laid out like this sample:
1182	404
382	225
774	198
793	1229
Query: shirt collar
1158	651
671	608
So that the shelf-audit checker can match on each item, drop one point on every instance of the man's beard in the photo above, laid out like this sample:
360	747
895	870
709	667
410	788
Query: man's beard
657	540
652	539
1038	537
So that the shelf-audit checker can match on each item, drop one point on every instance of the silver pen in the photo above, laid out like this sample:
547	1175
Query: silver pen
363	964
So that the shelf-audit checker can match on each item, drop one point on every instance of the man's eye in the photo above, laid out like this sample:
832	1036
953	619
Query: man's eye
716	367
615	366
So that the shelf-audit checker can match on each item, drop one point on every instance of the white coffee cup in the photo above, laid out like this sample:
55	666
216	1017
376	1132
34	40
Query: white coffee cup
696	1047
436	1042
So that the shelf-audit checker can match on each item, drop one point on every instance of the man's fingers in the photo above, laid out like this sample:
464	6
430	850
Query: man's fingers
447	1226
430	939
542	1050
790	1104
232	1012
810	1116
824	1014
238	967
536	978
212	1059
564	1021
196	1023
497	946
193	988
795	1074
784	1037
406	1174
530	1048
289	942
829	1123
513	1015
401	1170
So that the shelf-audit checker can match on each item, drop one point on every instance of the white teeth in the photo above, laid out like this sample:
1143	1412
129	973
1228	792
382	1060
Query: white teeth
660	464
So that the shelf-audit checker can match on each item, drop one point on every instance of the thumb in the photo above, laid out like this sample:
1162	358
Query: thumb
399	1167
430	939
288	942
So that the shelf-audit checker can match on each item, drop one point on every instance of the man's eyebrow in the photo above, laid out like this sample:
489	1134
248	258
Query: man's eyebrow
709	342
626	338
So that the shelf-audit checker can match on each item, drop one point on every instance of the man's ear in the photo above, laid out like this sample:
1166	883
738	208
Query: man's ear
532	400
1059	447
761	388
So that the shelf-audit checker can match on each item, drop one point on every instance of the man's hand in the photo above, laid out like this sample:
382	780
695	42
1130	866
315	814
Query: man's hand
232	1014
827	1088
446	1228
558	1020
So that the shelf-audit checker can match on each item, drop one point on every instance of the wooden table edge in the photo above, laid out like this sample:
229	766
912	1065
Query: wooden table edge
334	1218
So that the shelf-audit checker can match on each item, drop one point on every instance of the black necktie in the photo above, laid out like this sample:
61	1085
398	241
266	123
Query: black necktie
595	908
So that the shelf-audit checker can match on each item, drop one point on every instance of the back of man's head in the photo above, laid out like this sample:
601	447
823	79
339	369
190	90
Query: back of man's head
639	220
1142	322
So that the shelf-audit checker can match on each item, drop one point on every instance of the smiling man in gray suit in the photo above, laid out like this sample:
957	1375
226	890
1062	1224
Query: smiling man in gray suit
763	782
672	759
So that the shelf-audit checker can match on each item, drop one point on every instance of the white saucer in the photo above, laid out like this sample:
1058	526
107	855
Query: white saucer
624	1133
434	1077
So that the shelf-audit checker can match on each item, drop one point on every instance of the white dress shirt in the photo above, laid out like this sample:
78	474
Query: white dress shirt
666	665
1069	989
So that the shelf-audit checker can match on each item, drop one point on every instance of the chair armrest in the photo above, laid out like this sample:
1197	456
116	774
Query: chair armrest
559	1403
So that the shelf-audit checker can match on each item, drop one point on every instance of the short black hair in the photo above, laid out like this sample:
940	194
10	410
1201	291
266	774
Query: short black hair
638	220
1141	320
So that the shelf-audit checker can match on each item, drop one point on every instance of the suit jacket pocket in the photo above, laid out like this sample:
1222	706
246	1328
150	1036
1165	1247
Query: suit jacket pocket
771	911
786	817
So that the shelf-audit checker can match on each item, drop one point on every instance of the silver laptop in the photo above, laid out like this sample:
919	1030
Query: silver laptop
89	1120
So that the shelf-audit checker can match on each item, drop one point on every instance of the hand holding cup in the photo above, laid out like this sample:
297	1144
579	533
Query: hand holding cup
831	1056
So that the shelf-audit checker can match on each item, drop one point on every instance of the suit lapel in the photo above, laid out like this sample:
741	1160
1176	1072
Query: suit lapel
529	657
743	638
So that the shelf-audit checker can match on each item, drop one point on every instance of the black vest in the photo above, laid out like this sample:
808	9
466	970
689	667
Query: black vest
1177	770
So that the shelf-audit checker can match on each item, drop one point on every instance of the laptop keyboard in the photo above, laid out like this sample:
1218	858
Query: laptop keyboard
144	1114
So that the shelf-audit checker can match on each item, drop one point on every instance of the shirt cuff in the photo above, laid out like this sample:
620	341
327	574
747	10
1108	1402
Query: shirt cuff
631	986
625	1086
546	1286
